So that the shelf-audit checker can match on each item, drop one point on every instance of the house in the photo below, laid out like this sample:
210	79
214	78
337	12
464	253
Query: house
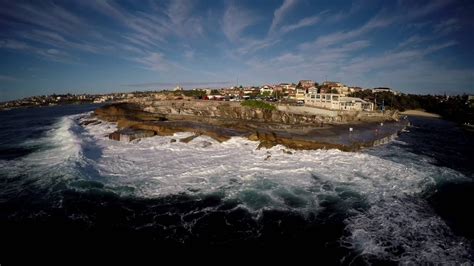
337	102
300	94
266	89
214	97
355	89
470	100
306	84
376	90
178	88
251	91
312	90
334	86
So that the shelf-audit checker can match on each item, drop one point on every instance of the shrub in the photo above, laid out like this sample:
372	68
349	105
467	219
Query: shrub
258	104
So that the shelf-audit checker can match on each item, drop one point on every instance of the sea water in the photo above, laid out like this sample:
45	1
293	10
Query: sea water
404	202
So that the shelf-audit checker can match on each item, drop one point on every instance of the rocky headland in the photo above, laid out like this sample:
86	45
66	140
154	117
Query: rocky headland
294	128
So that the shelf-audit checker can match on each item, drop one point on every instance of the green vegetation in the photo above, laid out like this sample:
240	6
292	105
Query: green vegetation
197	94
258	104
455	108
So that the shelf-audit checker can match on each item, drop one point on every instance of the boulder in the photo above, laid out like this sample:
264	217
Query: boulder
129	134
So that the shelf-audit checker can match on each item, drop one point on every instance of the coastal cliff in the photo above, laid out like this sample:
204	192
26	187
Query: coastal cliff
223	120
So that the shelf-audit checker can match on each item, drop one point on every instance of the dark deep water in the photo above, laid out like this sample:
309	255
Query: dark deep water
66	200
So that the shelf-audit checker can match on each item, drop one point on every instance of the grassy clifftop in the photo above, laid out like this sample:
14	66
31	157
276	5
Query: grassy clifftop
258	105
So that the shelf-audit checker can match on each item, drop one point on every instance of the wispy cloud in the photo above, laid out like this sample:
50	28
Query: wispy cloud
331	39
413	10
155	61
55	33
196	40
14	45
145	29
56	40
447	26
280	14
49	30
414	40
236	20
237	24
183	20
392	59
383	19
46	15
182	83
49	54
305	22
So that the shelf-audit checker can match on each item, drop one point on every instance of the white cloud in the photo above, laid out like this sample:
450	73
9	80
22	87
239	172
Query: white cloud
414	40
49	54
47	15
154	61
382	20
280	13
184	21
392	59
447	26
14	44
236	20
305	22
343	36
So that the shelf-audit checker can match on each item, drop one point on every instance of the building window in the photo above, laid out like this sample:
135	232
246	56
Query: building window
335	98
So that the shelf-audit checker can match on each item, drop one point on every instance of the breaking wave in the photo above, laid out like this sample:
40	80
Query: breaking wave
382	191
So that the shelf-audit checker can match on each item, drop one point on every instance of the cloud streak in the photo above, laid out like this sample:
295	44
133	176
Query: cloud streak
280	14
305	22
236	20
183	84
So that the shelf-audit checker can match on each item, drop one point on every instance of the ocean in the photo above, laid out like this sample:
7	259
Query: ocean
404	202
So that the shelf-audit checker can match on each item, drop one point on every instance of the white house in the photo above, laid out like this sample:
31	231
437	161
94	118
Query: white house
266	89
300	94
337	102
375	90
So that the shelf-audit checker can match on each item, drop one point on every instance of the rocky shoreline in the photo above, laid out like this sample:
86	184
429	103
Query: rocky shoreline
223	120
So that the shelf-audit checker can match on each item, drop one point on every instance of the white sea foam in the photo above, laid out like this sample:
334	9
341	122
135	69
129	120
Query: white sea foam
60	149
398	225
389	181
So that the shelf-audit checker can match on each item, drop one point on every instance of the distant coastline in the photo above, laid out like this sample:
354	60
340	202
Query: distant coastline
46	106
420	112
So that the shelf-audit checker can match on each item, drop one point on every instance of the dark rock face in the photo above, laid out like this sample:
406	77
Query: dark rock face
90	122
115	112
228	110
221	121
129	134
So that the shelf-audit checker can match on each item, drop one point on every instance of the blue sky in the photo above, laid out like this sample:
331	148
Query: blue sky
104	46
